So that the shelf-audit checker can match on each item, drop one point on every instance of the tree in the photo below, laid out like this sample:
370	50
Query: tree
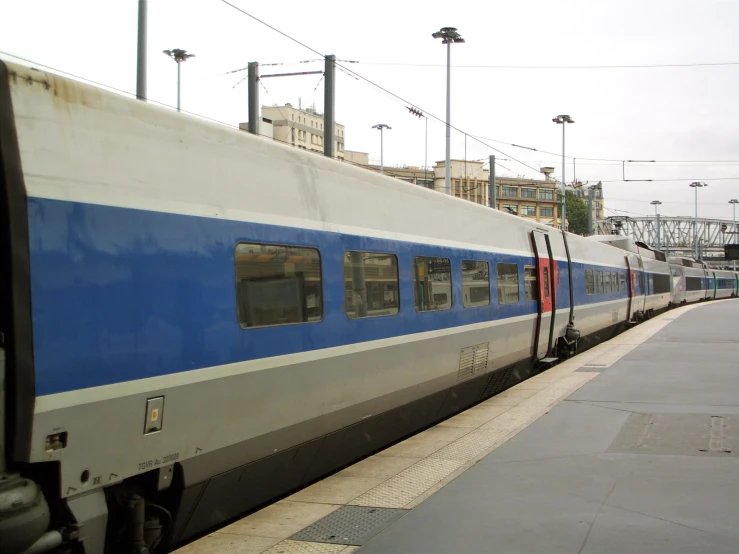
577	213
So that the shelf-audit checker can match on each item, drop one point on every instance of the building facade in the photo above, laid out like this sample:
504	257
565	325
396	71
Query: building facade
536	199
299	127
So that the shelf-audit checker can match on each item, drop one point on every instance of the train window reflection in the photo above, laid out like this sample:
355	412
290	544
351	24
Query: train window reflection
661	283
277	285
621	282
530	286
507	283
599	282
475	283
607	282
589	282
370	284
432	288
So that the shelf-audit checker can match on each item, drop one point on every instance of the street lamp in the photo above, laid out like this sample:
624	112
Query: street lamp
178	56
656	203
696	186
733	203
448	35
563	120
382	127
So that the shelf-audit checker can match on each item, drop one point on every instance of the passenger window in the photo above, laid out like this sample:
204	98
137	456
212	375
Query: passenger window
622	282
507	283
277	285
589	282
433	283
530	286
546	282
599	282
370	284
607	282
475	283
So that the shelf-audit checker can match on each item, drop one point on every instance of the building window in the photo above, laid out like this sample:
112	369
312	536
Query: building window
528	210
475	283
510	208
528	193
546	211
589	282
370	284
530	287
510	192
277	285
507	283
432	283
599	282
546	194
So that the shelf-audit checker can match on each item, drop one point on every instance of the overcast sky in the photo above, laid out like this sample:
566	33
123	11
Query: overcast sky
679	116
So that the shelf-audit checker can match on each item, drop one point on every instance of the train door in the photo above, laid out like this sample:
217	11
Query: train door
631	284
640	284
706	285
545	279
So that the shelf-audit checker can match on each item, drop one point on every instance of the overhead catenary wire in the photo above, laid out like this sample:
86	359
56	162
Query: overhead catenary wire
362	78
550	67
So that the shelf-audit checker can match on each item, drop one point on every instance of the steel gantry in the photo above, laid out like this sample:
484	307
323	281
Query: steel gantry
679	236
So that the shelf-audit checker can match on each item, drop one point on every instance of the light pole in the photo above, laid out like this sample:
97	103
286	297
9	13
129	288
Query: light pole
448	35
179	56
382	127
733	203
563	120
656	203
696	186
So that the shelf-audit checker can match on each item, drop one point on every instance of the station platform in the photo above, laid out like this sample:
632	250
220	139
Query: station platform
631	446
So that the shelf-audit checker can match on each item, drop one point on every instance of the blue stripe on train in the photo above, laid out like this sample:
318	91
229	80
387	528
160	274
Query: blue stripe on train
121	294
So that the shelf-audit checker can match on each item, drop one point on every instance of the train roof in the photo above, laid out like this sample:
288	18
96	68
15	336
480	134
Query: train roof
630	245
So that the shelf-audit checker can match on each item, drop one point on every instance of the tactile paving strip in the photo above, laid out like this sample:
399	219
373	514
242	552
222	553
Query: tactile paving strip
349	525
302	547
410	483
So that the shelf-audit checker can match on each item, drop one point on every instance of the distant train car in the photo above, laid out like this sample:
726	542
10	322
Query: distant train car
689	280
197	321
724	283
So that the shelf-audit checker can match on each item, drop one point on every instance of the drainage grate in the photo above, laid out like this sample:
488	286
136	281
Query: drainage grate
353	525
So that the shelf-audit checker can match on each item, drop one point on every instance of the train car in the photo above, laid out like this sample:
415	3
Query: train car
651	274
689	283
197	320
724	283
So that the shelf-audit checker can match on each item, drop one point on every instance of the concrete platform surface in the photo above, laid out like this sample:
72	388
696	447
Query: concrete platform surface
644	457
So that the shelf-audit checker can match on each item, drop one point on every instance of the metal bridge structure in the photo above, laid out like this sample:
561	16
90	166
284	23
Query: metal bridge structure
702	238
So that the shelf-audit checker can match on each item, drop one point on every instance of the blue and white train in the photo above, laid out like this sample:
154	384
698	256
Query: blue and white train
196	321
